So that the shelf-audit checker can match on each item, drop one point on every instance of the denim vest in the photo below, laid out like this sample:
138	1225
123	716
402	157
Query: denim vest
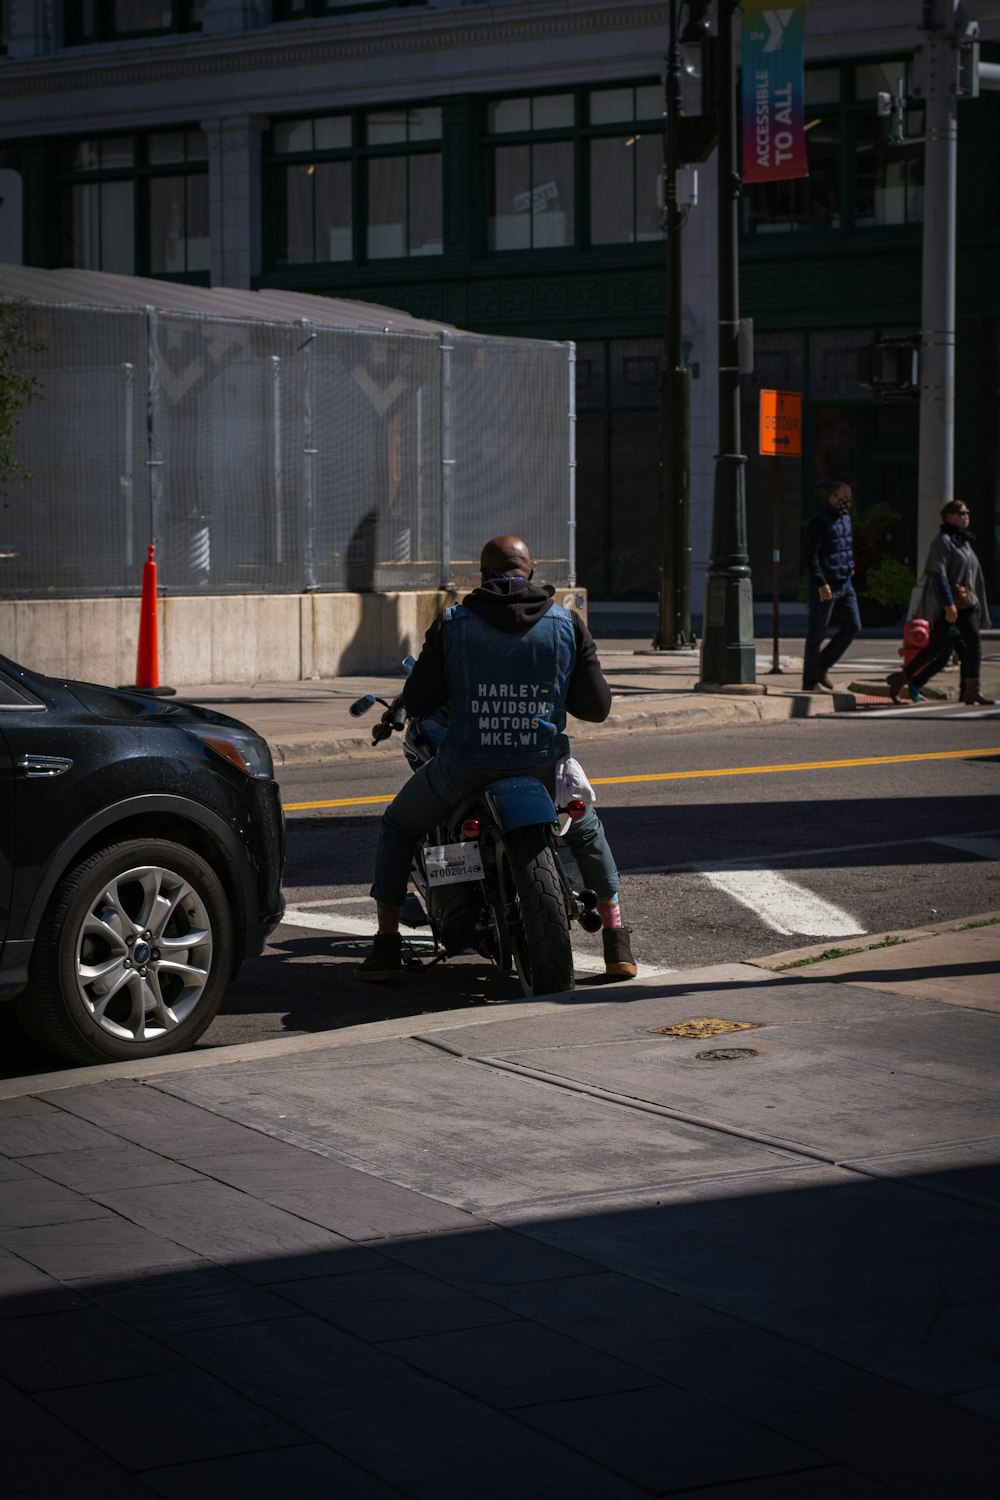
507	692
836	552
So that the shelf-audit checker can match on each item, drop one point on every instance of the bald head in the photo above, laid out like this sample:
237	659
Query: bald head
507	555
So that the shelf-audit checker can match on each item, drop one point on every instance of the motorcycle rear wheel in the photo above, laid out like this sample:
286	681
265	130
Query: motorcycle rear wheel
534	912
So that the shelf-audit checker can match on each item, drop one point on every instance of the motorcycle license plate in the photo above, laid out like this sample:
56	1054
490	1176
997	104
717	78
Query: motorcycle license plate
449	864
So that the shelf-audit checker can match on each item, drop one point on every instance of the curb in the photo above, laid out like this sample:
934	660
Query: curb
686	711
356	1036
802	956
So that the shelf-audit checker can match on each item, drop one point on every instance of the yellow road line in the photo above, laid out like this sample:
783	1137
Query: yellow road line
805	765
336	802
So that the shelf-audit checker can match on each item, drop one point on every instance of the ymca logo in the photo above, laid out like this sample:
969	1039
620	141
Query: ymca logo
777	24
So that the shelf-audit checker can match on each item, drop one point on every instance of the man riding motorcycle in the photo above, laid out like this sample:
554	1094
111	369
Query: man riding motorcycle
509	664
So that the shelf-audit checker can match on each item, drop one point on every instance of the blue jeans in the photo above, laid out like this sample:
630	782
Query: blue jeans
434	791
837	618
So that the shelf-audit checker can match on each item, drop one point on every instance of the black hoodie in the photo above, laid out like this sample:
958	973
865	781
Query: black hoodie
512	606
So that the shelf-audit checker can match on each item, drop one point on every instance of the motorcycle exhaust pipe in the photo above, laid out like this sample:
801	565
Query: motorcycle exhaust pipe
581	909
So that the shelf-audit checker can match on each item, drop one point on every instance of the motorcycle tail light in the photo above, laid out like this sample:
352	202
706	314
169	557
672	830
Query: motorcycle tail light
470	828
575	808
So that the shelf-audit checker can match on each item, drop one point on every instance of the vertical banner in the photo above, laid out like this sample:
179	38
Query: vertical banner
773	88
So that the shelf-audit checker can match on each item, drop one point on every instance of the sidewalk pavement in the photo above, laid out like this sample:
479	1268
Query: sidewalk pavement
308	722
727	1232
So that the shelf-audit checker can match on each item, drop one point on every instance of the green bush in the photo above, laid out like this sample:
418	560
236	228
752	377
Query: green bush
890	584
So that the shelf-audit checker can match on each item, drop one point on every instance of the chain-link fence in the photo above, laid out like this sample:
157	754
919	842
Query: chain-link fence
280	457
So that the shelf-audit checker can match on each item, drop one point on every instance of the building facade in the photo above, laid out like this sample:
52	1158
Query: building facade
495	166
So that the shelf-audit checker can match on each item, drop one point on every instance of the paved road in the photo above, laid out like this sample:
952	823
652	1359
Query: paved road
732	843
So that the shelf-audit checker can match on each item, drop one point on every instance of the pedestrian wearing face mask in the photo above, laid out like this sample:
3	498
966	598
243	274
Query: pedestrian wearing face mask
833	604
954	604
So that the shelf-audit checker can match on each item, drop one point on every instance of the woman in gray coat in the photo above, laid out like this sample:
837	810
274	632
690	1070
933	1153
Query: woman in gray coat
954	605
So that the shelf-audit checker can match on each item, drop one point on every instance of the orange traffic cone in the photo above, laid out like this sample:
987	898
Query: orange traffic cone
147	664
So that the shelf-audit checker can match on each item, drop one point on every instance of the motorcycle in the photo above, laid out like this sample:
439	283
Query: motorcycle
490	879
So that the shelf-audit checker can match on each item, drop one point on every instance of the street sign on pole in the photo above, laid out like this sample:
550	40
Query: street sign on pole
781	424
780	437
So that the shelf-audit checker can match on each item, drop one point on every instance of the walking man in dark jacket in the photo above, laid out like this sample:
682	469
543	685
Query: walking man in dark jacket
833	604
509	664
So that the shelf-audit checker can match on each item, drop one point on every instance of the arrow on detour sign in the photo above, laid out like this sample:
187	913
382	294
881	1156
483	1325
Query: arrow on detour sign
781	423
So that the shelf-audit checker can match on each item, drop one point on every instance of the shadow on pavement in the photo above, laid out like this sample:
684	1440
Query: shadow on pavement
833	1338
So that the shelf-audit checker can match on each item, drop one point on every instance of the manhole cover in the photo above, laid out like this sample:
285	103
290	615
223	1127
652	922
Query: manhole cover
727	1054
700	1026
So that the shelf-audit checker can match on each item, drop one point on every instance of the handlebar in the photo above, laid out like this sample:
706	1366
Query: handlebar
394	718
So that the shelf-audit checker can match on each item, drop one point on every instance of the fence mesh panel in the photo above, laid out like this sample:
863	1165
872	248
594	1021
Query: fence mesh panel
376	485
80	523
275	457
509	424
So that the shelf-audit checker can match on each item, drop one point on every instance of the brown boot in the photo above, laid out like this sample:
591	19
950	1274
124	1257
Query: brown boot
384	963
618	960
896	682
972	696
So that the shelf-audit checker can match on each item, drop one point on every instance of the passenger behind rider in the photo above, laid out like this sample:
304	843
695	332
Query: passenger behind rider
509	664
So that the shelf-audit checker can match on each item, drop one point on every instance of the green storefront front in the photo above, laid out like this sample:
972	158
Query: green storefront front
546	231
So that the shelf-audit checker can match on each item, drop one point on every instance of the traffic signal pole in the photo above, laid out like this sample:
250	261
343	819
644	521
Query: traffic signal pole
937	73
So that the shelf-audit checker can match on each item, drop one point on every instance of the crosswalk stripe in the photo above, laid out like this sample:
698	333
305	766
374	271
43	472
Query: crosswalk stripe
346	926
752	861
783	904
323	921
942	710
985	848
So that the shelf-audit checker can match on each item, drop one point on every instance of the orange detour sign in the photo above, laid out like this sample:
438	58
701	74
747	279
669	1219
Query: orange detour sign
781	423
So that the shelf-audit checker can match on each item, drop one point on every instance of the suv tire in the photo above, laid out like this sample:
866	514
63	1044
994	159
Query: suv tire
133	955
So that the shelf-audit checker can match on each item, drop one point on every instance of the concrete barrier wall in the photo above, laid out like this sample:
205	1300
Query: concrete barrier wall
221	639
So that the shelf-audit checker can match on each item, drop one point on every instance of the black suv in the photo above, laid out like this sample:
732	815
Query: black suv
141	850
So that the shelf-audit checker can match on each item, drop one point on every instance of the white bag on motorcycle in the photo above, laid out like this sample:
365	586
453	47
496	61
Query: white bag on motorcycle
571	783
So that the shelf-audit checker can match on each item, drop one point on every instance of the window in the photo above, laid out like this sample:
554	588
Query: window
300	10
107	20
404	191
332	174
618	438
177	203
574	170
624	167
858	175
532	186
135	203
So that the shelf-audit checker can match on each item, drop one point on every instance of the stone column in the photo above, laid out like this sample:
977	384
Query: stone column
234	197
35	28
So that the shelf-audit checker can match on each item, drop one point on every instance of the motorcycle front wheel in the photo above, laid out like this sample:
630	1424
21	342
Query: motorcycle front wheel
534	912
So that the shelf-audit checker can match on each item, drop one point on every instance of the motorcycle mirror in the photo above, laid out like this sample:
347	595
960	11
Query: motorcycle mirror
408	664
360	706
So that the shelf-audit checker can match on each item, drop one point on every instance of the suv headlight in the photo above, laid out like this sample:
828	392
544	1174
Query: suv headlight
248	752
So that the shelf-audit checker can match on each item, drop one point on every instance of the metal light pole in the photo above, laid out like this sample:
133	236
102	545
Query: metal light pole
937	355
728	656
674	628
